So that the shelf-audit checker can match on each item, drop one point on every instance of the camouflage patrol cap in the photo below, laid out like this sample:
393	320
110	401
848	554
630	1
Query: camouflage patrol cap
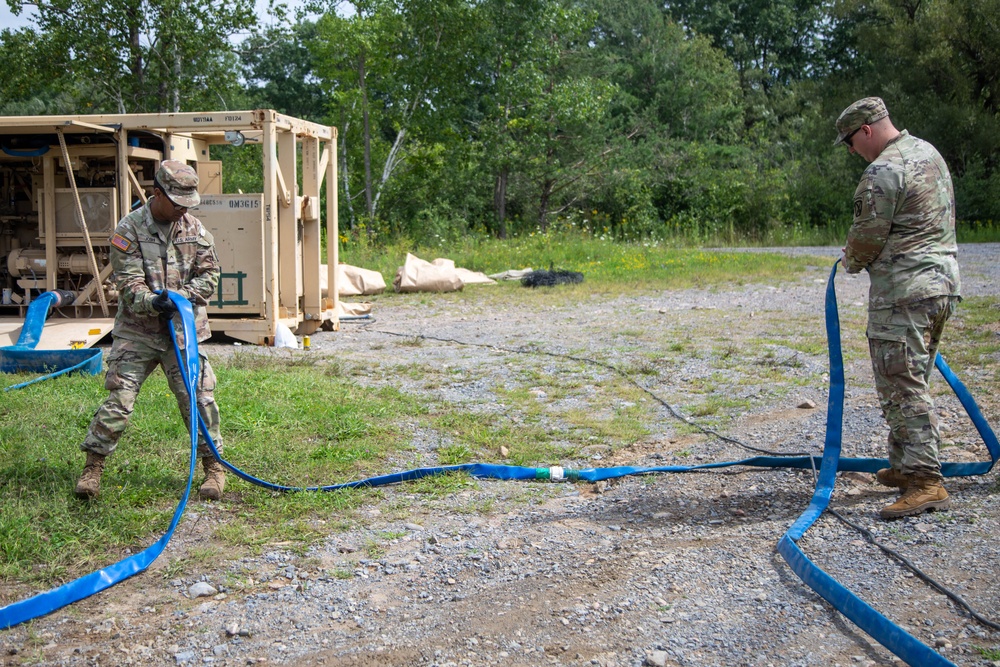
179	182
863	112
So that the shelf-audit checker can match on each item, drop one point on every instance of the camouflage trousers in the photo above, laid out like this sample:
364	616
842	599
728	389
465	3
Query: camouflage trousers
129	364
903	342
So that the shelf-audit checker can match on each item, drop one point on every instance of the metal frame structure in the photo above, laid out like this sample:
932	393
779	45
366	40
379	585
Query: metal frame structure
298	158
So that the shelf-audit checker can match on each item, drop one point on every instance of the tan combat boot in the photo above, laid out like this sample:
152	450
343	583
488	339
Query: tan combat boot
215	479
892	477
922	495
89	485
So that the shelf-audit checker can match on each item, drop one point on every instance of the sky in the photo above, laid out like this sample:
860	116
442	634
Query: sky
8	20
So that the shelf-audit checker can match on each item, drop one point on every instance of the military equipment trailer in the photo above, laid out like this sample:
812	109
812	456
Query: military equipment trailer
65	181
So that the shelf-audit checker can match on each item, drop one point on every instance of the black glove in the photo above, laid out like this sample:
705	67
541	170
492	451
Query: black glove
163	305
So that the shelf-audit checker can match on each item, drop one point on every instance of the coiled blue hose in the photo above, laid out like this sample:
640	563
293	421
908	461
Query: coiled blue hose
95	582
22	356
893	637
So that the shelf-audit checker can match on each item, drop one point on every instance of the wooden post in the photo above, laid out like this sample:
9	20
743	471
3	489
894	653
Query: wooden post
332	229
94	269
289	233
271	306
311	237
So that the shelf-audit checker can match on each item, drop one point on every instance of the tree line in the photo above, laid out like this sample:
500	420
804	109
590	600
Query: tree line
631	118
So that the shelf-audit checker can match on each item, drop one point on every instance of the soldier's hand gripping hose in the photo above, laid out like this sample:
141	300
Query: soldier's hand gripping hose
163	305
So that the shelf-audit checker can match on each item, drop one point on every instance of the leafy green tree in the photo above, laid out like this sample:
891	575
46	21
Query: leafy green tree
974	32
669	84
678	99
771	43
540	118
279	71
348	56
28	86
393	71
137	55
936	65
433	151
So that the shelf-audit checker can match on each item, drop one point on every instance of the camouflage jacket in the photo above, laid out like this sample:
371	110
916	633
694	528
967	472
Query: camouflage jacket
192	270
903	232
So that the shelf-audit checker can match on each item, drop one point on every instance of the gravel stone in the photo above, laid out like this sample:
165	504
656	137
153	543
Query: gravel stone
201	590
666	569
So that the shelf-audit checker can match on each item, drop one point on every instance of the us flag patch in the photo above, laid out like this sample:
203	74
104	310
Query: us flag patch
121	242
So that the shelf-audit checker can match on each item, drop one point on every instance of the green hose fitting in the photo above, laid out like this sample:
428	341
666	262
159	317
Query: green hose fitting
557	474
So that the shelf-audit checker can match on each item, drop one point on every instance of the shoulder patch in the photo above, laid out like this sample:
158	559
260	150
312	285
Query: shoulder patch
121	242
864	198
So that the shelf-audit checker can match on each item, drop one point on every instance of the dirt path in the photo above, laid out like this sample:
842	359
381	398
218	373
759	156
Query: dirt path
676	569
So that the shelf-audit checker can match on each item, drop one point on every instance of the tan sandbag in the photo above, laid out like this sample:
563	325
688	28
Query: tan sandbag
418	275
352	281
359	281
474	277
348	309
511	274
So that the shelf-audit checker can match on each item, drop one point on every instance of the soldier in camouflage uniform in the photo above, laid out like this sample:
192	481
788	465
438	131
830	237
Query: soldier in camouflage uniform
156	248
903	234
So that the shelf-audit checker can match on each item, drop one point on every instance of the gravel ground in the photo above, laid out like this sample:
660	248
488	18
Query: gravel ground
657	570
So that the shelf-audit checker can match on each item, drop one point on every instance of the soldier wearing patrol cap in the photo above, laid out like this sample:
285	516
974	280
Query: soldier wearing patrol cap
903	235
157	248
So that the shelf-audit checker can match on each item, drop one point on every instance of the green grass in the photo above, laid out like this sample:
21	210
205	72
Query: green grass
307	419
439	486
989	653
480	437
978	231
713	405
292	424
972	339
606	265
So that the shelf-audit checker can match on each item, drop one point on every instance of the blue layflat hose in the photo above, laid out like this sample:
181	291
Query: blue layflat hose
34	321
887	633
23	357
893	637
95	582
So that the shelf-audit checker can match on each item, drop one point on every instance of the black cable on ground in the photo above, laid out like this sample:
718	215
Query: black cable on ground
676	413
954	597
957	599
